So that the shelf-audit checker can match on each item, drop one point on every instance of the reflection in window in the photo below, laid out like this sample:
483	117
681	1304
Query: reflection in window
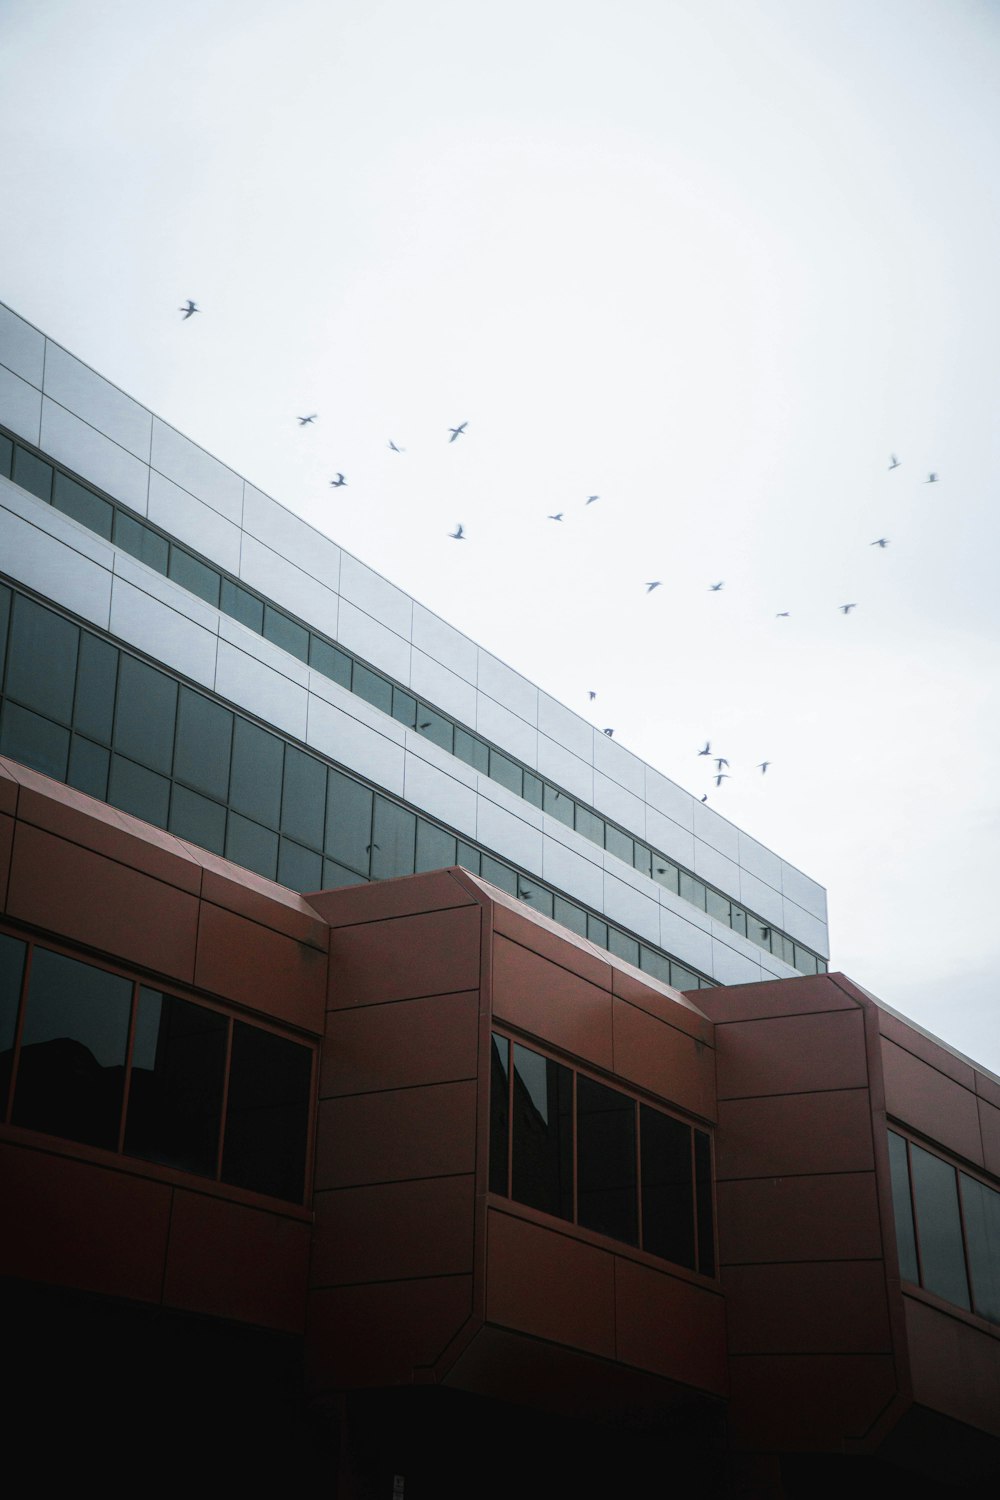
267	1112
605	1161
542	1130
175	1091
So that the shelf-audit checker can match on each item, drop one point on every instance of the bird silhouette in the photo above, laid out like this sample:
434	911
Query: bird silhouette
457	431
338	481
192	307
721	777
720	761
881	541
458	535
591	695
763	765
304	421
893	461
392	445
708	748
713	588
931	479
654	585
557	517
845	609
705	798
591	498
783	614
609	733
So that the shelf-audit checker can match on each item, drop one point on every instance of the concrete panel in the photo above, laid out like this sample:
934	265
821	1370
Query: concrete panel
716	830
165	634
285	584
507	729
573	872
196	471
805	927
630	908
439	795
352	743
759	861
691	944
619	765
291	537
94	457
38	559
372	641
564	769
191	520
620	805
669	798
442	687
280	661
668	837
567	728
716	869
763	900
804	892
376	596
507	687
82	391
508	836
20	406
260	968
249	684
730	967
664	1060
444	643
171	594
22	348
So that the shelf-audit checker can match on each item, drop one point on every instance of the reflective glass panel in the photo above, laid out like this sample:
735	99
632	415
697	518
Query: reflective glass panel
349	822
499	1104
96	682
436	849
469	858
717	906
906	1244
286	633
255	785
372	688
331	662
542	1129
570	915
41	664
623	946
6	455
5	598
34	741
303	798
558	804
142	542
197	819
136	790
88	767
589	825
533	790
194	575
12	952
508	774
605	1161
32	473
703	1195
692	889
253	847
435	727
642	858
981	1206
597	931
83	505
335	875
666	874
147	708
617	843
495	871
667	1187
175	1088
298	868
404	707
393	840
655	964
243	606
935	1197
267	1113
204	743
472	750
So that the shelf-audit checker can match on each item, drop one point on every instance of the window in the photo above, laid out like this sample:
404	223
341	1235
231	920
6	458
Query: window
568	1145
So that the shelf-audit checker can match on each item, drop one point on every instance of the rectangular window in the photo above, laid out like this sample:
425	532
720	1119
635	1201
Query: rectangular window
41	666
147	708
666	874
902	1209
266	1113
393	838
197	819
12	955
176	1084
204	744
331	662
83	505
404	708
508	773
255	784
605	1161
194	575
32	473
142	542
558	804
349	823
243	606
472	750
286	633
303	798
499	1111
34	741
542	1131
436	849
96	684
617	843
939	1227
434	726
667	1187
589	825
372	688
981	1208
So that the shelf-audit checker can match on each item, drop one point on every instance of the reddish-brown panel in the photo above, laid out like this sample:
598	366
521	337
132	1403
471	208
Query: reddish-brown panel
832	1307
955	1367
6	845
530	931
792	1054
378	1335
391	1136
832	1217
670	1326
549	1285
393	1230
431	1040
72	1223
669	1063
794	1133
798	1402
348	906
261	901
231	1261
988	1088
84	820
81	895
9	787
430	953
673	1007
260	968
774	997
989	1126
925	1047
541	997
931	1102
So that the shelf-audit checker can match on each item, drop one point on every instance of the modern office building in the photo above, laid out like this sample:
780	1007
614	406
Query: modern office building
402	1083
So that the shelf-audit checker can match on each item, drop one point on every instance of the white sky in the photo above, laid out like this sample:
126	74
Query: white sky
713	260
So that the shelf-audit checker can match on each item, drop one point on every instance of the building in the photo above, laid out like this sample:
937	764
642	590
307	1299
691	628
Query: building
403	1083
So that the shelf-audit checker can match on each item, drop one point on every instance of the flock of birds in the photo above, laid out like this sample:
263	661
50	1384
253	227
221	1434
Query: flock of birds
459	535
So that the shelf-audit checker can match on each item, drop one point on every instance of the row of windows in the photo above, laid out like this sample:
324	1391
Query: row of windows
947	1228
565	1144
85	712
158	551
93	1056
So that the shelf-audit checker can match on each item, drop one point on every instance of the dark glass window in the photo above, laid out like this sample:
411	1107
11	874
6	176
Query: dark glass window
935	1196
298	868
703	1183
34	741
605	1160
267	1113
4	622
303	798
147	708
472	750
196	818
738	920
393	840
96	682
434	726
666	874
667	1187
642	858
804	961
717	906
508	774
499	1114
558	804
623	946
6	455
981	1205
435	848
757	932
83	505
32	473
285	633
12	952
539	897
335	875
253	847
242	605
142	542
692	890
349	822
331	662
469	858
404	707
533	788
255	786
194	575
204	744
597	931
176	1083
655	964
617	843
542	1127
497	873
88	767
372	688
902	1209
681	978
71	1072
570	915
136	790
589	825
41	670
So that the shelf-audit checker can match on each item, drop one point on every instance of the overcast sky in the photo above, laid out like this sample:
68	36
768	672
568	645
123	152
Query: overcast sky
712	260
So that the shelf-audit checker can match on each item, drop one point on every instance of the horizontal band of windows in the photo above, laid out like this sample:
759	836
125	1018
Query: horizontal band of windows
154	548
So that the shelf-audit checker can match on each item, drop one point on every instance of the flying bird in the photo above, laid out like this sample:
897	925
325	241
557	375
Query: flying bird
557	517
705	798
845	609
457	431
655	585
304	421
763	765
392	445
591	695
713	588
931	479
338	481
192	307
609	733
591	498
782	614
720	761
721	777
708	748
881	541
893	461
458	535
